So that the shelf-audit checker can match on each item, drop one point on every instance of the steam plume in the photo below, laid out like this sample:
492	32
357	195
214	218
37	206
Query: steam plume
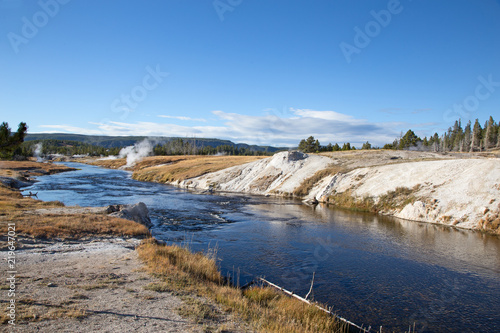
38	152
136	152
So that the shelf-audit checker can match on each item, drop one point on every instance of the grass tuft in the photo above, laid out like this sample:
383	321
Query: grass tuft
197	265
306	186
392	200
265	309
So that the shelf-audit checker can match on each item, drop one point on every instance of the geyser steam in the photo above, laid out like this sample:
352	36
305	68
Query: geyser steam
38	152
136	152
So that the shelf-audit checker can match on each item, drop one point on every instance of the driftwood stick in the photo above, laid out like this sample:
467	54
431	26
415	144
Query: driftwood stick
310	289
361	329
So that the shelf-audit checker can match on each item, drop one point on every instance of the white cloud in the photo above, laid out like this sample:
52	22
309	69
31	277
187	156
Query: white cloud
183	118
283	130
326	115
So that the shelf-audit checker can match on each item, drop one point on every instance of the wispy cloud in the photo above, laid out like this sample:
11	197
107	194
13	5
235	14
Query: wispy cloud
417	111
400	111
269	129
183	118
392	110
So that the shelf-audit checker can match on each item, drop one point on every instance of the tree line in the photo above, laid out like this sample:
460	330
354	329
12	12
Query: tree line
65	147
186	147
13	146
312	145
470	138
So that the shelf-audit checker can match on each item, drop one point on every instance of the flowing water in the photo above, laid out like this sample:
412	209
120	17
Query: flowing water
372	270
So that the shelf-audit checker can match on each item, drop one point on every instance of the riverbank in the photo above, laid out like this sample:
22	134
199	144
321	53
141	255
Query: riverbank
457	190
81	269
78	270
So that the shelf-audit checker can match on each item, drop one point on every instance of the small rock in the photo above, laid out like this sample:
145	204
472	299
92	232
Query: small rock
137	212
113	209
296	156
50	284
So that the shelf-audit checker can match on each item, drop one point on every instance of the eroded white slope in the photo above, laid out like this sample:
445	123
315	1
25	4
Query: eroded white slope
458	192
279	174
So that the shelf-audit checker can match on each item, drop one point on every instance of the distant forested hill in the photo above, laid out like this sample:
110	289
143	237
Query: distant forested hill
123	141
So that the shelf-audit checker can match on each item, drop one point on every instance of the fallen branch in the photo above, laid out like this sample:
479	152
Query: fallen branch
310	289
361	329
31	194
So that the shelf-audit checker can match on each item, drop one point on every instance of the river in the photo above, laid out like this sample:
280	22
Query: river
373	270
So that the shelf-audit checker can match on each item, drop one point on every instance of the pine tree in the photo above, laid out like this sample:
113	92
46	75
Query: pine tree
9	142
309	145
444	143
410	139
490	134
425	142
467	137
476	136
456	136
498	136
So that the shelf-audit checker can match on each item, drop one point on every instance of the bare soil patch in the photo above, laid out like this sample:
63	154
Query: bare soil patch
97	285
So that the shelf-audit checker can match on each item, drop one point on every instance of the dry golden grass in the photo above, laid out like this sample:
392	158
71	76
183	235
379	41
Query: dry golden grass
13	203
197	265
265	309
16	168
396	199
110	164
75	226
30	310
347	200
178	168
306	186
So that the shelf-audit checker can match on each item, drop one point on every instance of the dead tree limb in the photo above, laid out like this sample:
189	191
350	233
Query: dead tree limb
361	329
310	289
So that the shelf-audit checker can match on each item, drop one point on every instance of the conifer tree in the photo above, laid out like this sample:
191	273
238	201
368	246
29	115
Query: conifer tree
456	136
366	145
467	137
490	134
498	136
444	143
346	146
476	136
10	142
410	139
309	145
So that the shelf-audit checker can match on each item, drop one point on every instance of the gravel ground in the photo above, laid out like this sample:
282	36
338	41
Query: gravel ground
95	286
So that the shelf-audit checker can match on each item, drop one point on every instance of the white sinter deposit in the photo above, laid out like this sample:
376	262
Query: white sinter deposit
279	174
458	192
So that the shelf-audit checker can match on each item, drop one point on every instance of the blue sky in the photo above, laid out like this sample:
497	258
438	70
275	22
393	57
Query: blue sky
259	71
